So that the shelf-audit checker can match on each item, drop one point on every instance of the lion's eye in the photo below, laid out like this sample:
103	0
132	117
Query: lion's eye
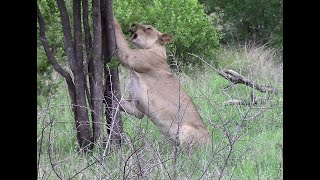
149	28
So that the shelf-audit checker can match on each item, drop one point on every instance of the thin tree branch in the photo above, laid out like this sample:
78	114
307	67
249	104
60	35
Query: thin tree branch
67	34
77	34
112	89
86	27
49	152
125	164
43	129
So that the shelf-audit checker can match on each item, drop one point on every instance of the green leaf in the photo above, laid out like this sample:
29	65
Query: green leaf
114	63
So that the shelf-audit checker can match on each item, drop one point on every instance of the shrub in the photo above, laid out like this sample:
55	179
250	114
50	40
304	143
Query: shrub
186	20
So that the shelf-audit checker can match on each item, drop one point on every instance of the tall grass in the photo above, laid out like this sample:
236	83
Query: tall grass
246	140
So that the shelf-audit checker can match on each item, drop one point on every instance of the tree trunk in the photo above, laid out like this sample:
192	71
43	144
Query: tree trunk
75	59
112	90
98	52
97	87
88	44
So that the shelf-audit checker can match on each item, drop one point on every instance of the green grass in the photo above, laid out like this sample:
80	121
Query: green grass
257	154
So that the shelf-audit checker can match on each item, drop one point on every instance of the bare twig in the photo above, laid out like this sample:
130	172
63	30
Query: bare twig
82	170
125	164
159	160
49	152
97	160
178	118
43	129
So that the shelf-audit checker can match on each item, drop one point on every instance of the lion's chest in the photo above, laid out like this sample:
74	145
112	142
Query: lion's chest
149	92
137	88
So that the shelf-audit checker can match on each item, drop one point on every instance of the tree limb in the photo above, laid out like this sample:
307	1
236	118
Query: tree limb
67	34
52	60
87	34
77	34
112	89
237	78
88	46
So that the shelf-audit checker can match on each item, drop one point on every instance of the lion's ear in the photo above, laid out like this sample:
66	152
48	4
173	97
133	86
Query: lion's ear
165	38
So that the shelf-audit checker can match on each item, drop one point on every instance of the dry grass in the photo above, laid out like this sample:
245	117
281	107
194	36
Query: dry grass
254	62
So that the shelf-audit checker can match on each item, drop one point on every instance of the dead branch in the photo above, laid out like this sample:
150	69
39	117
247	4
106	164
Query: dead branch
236	78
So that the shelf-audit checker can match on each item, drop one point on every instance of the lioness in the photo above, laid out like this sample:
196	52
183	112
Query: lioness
153	89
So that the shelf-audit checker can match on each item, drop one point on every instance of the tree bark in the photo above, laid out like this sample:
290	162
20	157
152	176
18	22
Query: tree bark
97	93
112	90
90	94
88	65
75	59
107	89
86	27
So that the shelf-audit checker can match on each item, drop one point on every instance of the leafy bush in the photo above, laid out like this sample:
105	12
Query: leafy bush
186	20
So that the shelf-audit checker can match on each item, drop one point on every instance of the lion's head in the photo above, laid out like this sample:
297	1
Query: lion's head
146	36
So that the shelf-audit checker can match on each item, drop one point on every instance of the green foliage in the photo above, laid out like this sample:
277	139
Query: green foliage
185	20
45	82
52	20
114	63
249	19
